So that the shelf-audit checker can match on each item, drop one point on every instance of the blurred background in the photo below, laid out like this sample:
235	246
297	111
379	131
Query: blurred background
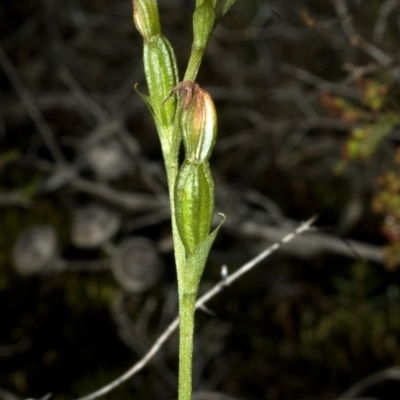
308	96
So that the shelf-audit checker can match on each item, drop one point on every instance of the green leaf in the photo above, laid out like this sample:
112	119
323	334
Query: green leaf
196	260
146	99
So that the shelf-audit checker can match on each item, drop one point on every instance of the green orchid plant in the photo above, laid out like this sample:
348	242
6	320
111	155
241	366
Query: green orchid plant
183	112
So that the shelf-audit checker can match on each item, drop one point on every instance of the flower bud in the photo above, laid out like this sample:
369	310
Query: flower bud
161	74
194	203
146	18
203	23
198	121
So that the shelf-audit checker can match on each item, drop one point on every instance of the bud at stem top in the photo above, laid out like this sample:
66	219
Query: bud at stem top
146	18
159	60
203	23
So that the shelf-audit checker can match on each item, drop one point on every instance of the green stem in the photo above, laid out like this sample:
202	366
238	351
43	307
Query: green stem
170	153
196	56
186	328
187	300
203	24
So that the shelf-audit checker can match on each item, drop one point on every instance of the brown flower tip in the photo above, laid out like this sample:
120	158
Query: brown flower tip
186	90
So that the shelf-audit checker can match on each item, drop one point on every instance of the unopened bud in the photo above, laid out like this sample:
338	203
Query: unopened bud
161	74
194	203
198	121
146	18
203	23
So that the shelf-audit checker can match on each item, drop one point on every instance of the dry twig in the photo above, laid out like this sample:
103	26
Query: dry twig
356	390
226	281
33	110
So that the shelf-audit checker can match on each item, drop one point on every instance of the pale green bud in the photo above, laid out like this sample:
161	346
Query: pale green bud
194	203
146	18
161	74
203	23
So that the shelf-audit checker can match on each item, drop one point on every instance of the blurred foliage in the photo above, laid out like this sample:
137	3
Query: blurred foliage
371	123
357	321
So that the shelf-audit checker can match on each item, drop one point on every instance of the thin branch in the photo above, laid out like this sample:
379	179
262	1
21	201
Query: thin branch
320	83
369	381
138	366
126	200
381	22
356	40
82	98
144	221
226	281
33	110
133	336
312	244
252	263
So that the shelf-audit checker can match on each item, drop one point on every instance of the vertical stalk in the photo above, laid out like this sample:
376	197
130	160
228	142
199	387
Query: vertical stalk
186	328
203	25
192	200
196	56
170	154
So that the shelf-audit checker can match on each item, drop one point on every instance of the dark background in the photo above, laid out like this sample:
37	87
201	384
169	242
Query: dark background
292	82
